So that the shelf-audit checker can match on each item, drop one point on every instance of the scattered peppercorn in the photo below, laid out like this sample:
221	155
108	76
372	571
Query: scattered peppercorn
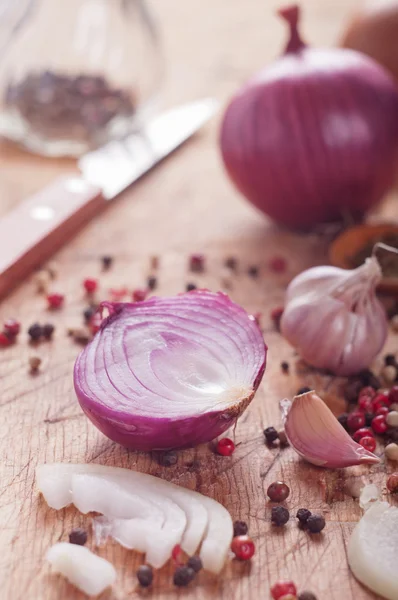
183	576
197	263
145	575
342	419
152	282
279	515
34	363
253	271
307	596
393	395
12	327
355	420
303	390
362	432
392	419
243	547
392	483
225	447
368	442
190	287
368	419
277	264
231	263
367	391
368	378
139	295
270	434
283	588
379	424
389	360
35	332
167	459
106	262
389	374
95	323
381	399
284	367
81	335
90	285
195	563
391	451
393	435
282	437
278	491
48	330
303	514
55	301
88	313
176	554
382	410
315	523
240	528
276	316
78	536
352	390
365	404
4	340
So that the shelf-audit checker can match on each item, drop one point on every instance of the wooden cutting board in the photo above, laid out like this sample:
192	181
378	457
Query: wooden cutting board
186	205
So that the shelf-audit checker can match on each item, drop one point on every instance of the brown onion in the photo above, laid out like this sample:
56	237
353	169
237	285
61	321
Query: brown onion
374	31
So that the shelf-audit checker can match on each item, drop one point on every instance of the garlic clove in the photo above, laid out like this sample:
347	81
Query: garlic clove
373	548
317	436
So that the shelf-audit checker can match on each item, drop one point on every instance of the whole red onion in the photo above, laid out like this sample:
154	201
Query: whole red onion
170	372
314	136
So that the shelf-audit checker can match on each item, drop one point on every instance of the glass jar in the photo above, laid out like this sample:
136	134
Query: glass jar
76	73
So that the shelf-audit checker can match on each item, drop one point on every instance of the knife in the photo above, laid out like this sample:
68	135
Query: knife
41	224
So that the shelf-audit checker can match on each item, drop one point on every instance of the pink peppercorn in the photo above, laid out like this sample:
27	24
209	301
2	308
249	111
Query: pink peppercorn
368	442
243	547
225	447
90	285
283	588
139	295
278	264
355	420
4	340
383	410
363	432
197	263
393	395
379	424
12	327
380	400
55	301
365	403
367	391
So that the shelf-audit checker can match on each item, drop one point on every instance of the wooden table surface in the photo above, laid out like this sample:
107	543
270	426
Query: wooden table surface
186	205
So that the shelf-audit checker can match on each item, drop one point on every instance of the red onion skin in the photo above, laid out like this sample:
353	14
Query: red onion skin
314	136
144	433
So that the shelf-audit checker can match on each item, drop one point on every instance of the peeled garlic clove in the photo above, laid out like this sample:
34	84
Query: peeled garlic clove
373	550
334	319
317	436
87	571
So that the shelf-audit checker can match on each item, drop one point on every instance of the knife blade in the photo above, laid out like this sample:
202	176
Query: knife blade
41	224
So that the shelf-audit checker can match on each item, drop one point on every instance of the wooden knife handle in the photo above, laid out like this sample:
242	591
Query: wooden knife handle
40	225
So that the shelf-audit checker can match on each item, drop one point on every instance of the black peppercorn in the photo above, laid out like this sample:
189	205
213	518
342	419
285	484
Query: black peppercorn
195	563
315	523
366	378
284	367
167	459
352	389
35	332
279	515
270	434
303	390
343	420
303	514
183	576
307	596
78	536
240	528
253	271
190	287
106	262
152	282
48	330
389	360
145	575
231	263
392	435
368	419
88	314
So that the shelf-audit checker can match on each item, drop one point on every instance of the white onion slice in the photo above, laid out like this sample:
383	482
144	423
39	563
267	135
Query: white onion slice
373	550
107	489
87	571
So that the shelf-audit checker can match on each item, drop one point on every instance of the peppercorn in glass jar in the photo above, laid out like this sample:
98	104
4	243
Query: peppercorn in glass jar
77	73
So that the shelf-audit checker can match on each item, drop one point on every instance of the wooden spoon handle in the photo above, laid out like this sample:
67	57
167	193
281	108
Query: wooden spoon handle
41	224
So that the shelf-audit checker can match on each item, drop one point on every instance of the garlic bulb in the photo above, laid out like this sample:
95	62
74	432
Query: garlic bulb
334	319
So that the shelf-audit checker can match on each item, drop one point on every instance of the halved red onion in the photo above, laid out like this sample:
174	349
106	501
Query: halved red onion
170	372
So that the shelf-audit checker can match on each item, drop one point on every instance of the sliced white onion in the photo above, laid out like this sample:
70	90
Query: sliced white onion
87	571
373	550
171	514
